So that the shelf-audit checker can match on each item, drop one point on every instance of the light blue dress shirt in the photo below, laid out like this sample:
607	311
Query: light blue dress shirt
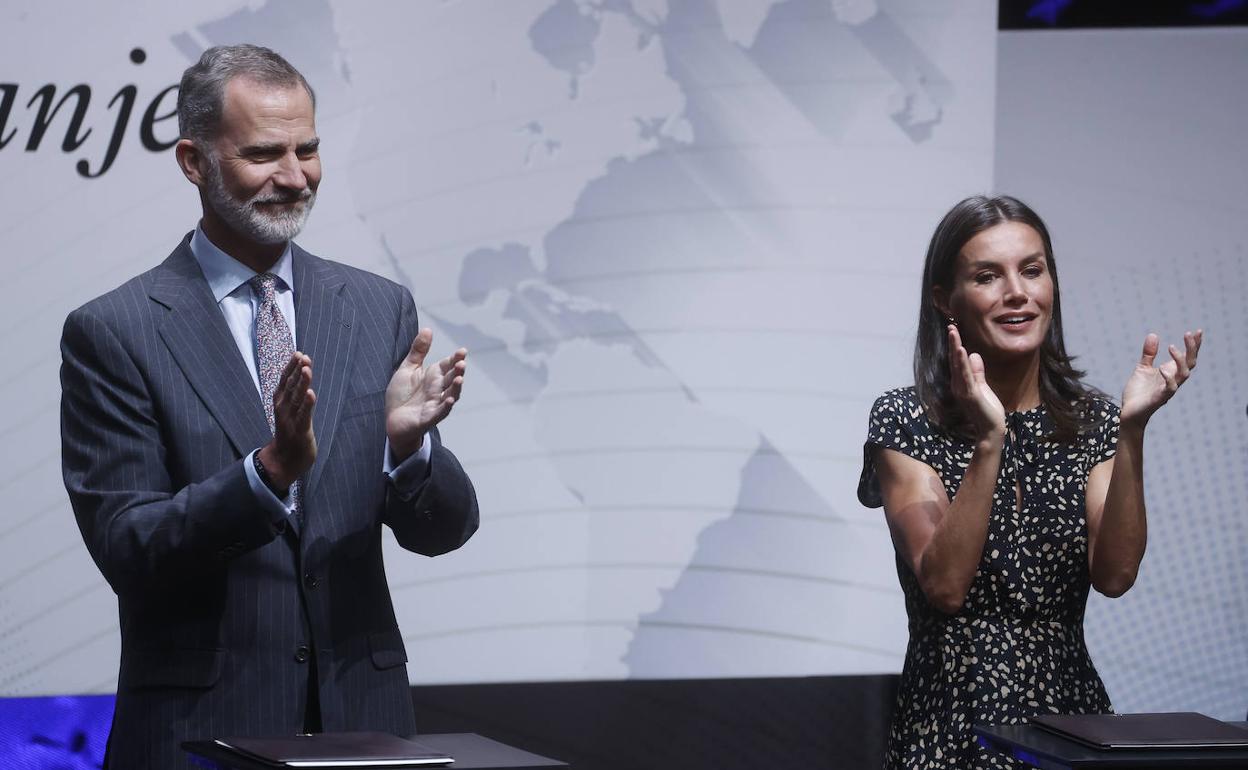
227	278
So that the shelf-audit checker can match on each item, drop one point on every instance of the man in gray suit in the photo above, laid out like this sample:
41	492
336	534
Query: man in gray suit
232	498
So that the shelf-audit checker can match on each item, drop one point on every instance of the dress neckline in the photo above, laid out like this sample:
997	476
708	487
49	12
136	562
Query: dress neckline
1025	412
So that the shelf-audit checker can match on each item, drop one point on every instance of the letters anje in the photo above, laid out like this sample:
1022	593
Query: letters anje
48	106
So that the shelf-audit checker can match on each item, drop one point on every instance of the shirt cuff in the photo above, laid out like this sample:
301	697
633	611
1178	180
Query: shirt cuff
271	502
411	474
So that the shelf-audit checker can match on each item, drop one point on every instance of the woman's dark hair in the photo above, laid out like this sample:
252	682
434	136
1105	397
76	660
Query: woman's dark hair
1062	391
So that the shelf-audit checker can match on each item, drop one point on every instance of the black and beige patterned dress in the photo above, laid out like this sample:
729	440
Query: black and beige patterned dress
1016	647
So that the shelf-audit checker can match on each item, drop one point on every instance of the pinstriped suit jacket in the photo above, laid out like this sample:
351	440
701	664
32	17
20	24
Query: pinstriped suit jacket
218	600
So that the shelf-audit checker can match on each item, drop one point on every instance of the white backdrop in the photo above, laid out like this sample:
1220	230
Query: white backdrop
682	239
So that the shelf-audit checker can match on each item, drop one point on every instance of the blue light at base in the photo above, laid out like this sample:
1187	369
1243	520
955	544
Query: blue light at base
67	732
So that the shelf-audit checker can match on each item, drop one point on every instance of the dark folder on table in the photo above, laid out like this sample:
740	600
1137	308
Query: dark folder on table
359	749
1179	730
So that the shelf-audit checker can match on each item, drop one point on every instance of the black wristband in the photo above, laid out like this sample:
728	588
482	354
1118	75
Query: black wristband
263	473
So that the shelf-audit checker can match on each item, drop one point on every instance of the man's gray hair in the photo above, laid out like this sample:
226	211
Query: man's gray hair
201	96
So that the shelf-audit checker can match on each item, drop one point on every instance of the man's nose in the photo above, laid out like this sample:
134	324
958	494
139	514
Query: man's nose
290	173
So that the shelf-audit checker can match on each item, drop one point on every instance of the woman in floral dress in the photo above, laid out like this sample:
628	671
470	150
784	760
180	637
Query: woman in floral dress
1009	487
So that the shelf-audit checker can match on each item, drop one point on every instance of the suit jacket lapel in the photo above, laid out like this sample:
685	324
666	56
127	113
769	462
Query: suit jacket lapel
323	319
200	341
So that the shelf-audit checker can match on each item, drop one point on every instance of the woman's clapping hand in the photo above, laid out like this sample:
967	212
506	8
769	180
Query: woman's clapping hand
1150	386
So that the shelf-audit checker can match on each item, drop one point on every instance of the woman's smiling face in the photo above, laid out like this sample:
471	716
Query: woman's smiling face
1001	296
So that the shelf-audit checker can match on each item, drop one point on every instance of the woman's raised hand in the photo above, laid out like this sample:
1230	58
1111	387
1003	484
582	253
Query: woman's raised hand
1150	386
980	405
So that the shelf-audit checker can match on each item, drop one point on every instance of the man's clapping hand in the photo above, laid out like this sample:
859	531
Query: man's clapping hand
419	396
293	448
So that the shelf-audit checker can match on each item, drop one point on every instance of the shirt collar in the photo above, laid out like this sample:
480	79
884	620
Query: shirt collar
226	274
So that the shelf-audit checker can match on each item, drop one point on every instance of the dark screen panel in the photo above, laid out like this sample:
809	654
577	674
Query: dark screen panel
799	723
1082	14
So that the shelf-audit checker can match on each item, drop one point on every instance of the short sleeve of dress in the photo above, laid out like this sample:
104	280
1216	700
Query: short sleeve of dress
1106	442
893	424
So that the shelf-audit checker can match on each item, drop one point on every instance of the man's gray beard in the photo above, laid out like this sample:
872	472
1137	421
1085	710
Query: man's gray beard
245	219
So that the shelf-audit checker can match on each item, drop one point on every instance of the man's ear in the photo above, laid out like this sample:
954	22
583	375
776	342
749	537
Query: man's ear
192	161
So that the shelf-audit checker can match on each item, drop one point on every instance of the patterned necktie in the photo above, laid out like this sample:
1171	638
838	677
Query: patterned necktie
274	347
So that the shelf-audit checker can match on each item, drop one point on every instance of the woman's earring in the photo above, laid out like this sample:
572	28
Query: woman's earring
949	320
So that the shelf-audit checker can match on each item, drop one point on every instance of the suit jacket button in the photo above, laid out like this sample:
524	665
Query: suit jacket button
301	653
311	581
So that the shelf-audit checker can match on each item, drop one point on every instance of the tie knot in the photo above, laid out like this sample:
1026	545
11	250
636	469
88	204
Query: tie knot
265	285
